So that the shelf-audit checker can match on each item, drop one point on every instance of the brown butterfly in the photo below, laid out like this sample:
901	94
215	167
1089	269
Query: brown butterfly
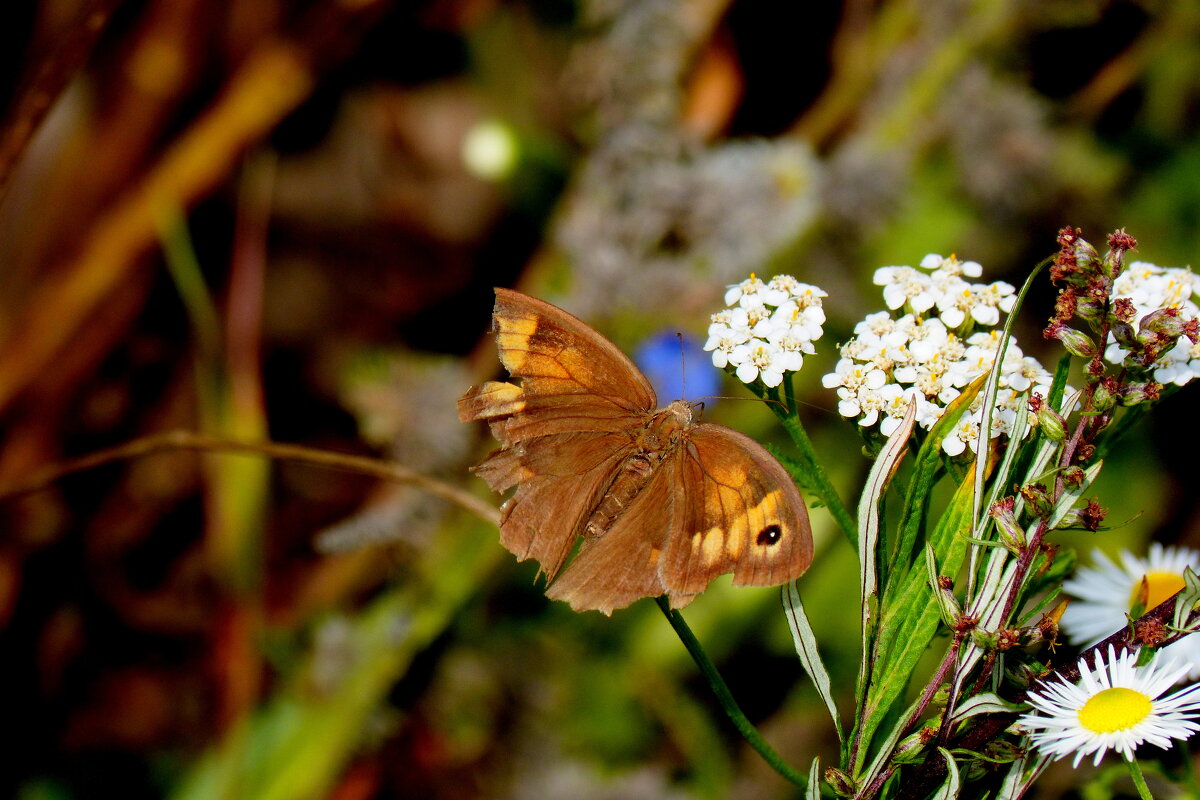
662	503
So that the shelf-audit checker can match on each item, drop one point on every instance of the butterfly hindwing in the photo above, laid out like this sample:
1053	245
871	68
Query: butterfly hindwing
541	520
620	566
736	510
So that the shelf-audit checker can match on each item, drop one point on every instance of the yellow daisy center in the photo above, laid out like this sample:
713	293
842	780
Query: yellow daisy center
1114	710
1159	586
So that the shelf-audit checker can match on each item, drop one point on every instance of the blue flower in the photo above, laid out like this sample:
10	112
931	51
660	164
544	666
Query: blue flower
677	369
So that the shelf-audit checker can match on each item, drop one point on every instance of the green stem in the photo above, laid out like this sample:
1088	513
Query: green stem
824	489
1139	780
1189	777
725	697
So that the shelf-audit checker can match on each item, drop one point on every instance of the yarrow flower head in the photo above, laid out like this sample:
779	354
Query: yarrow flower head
1160	304
1116	705
767	328
1108	591
942	338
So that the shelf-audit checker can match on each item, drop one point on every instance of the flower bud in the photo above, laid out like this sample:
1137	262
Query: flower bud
1077	343
1038	499
947	602
1012	536
1133	394
984	640
1086	256
1124	335
841	783
1049	421
912	747
1165	321
1103	399
1073	476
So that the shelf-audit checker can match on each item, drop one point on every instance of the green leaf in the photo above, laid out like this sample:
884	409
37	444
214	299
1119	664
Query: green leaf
910	617
1187	599
993	386
884	756
952	786
986	703
806	647
813	792
1021	775
925	472
868	538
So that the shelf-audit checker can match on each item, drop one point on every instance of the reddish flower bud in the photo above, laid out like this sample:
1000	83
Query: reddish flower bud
1075	342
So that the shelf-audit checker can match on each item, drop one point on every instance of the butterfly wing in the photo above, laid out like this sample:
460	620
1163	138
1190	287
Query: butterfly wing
721	503
737	510
572	378
560	479
565	428
621	566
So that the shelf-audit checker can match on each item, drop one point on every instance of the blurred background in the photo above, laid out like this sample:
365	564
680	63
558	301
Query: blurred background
264	219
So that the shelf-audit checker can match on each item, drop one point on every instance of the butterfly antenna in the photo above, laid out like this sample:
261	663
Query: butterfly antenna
682	365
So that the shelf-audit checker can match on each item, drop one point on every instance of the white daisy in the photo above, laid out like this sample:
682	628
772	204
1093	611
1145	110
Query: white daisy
1107	592
1115	706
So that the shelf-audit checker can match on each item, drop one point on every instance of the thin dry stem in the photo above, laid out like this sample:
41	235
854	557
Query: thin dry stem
190	440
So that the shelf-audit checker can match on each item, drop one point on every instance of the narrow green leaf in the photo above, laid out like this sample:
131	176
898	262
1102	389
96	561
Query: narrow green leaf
989	393
1072	495
1020	776
813	792
925	471
884	754
1187	599
987	703
952	786
910	619
806	647
868	540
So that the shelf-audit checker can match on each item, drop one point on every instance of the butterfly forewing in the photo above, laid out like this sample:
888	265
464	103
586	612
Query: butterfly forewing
572	379
737	510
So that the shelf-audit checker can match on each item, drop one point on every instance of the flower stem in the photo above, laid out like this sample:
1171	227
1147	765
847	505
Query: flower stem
725	697
824	489
1139	780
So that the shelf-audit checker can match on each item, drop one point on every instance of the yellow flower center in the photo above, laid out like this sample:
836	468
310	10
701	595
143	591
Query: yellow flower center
1114	710
1159	586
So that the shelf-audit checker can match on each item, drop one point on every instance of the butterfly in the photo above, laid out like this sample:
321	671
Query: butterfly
657	502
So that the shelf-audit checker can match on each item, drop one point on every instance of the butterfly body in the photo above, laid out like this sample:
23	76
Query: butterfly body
650	446
658	503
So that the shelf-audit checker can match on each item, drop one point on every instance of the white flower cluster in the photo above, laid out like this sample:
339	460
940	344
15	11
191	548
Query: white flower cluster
918	355
1150	288
767	328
